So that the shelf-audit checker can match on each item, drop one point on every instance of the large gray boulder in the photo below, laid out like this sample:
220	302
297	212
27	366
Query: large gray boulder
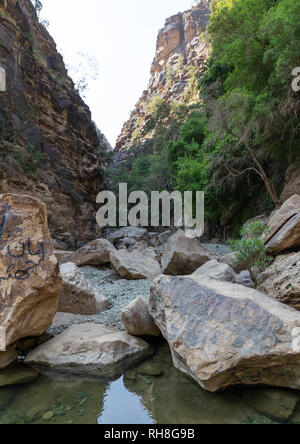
135	265
137	320
282	280
217	270
77	295
90	350
183	255
284	227
95	253
223	334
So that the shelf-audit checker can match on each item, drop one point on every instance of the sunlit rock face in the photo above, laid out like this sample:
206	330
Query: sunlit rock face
182	48
223	334
47	138
30	281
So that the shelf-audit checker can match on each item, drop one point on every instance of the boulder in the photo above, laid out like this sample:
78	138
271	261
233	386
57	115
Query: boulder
223	334
284	227
90	350
77	295
184	255
282	280
154	240
292	182
17	375
231	260
63	256
137	320
140	245
217	270
135	265
134	233
164	237
244	278
7	358
30	278
95	253
146	251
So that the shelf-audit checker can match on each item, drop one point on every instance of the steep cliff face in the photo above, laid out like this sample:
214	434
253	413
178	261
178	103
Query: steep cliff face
182	49
48	144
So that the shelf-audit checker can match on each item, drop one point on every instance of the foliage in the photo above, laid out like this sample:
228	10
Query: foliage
236	145
250	251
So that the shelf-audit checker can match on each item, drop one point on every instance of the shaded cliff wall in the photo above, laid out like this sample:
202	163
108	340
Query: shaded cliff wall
48	143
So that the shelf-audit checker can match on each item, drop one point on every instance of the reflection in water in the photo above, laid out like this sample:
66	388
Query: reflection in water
123	407
152	393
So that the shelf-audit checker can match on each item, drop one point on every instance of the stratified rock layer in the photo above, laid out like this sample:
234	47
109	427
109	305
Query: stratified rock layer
223	334
48	142
30	279
284	227
180	54
282	280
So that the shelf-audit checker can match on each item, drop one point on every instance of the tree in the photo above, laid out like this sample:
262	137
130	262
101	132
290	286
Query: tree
235	115
248	80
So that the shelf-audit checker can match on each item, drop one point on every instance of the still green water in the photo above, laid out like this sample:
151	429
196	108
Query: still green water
171	398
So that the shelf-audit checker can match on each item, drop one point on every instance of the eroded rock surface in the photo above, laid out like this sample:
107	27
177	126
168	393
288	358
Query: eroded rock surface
77	295
284	227
135	265
183	255
282	280
217	270
30	278
55	154
96	253
90	349
137	320
223	334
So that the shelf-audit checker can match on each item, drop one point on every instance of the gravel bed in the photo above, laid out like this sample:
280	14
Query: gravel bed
119	293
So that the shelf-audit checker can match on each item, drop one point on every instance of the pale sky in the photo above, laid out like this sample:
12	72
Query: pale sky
121	36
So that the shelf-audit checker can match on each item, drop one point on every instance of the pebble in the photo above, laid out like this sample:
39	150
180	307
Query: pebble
48	416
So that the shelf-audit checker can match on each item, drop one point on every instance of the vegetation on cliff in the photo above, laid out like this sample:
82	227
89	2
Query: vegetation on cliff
238	140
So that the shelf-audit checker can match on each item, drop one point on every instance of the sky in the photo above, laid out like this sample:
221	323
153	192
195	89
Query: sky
118	37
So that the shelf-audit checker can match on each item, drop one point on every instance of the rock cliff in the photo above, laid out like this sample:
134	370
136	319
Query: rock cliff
49	144
182	49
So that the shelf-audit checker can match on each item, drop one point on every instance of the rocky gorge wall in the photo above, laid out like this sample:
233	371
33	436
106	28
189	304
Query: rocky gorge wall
181	51
48	142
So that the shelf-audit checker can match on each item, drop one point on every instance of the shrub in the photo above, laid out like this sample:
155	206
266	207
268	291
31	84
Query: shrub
251	253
